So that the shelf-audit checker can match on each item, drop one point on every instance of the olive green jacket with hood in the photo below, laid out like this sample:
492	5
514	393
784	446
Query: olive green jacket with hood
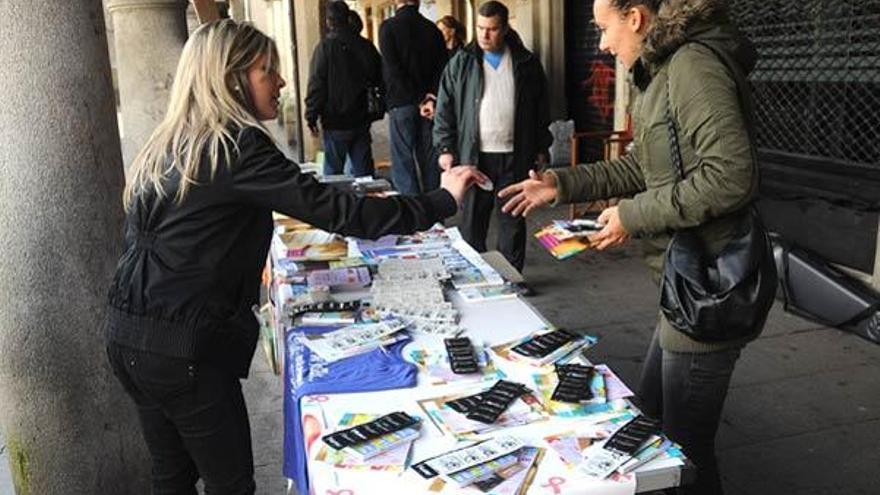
714	128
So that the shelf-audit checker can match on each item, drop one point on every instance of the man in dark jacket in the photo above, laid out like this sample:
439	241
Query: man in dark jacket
344	65
413	55
492	112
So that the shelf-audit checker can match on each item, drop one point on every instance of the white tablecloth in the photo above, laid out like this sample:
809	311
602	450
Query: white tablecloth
490	322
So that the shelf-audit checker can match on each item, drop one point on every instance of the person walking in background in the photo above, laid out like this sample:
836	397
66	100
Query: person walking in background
344	66
413	56
453	34
492	112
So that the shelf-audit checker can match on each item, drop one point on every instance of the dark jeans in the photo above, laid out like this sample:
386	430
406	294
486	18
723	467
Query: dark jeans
354	144
479	205
194	421
687	391
414	167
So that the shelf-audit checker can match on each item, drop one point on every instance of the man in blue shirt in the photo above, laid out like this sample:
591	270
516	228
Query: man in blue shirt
492	112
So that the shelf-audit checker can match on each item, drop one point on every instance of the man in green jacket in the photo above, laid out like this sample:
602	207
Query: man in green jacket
492	112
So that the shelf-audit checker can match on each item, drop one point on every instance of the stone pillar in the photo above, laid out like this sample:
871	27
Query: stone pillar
149	38
69	428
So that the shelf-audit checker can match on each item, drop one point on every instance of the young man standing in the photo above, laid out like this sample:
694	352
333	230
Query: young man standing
343	66
413	56
492	112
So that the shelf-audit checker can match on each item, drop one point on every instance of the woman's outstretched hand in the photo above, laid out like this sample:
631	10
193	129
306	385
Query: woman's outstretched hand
613	234
457	180
536	191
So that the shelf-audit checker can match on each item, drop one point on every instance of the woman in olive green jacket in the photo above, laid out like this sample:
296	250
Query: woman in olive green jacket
685	56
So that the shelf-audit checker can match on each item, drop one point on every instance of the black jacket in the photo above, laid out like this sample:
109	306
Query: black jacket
190	273
413	56
343	66
456	122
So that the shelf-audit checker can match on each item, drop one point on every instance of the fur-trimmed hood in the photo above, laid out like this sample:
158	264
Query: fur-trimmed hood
679	21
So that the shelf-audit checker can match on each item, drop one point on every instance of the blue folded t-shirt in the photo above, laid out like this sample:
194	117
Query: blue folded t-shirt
380	369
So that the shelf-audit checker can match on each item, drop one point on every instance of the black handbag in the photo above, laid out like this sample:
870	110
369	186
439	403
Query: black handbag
717	298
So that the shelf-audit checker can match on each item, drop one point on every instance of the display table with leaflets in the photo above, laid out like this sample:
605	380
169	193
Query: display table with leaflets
461	431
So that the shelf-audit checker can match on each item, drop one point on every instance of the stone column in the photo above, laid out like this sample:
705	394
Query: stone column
149	38
69	427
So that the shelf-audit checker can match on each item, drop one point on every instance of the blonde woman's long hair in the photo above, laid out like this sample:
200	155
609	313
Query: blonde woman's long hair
210	98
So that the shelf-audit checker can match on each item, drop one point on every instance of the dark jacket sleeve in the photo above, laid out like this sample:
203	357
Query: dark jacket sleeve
391	59
316	94
440	58
445	119
262	176
374	78
601	180
544	138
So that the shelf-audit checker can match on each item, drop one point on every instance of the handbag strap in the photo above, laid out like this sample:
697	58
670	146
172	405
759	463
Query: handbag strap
745	101
674	148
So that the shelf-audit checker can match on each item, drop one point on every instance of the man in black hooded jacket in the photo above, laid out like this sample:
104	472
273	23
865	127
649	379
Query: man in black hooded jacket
344	65
413	56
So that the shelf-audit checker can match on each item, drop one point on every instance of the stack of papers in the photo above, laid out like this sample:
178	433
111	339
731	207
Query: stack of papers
314	244
608	402
466	267
516	479
576	448
351	277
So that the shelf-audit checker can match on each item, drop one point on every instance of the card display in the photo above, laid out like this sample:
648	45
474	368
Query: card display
544	344
629	438
324	307
574	383
379	445
487	406
482	471
461	459
385	425
352	340
462	359
603	459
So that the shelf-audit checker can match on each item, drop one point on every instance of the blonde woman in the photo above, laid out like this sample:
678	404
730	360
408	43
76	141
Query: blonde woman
180	332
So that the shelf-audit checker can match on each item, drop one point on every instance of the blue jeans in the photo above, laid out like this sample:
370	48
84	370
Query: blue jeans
352	144
414	167
687	391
